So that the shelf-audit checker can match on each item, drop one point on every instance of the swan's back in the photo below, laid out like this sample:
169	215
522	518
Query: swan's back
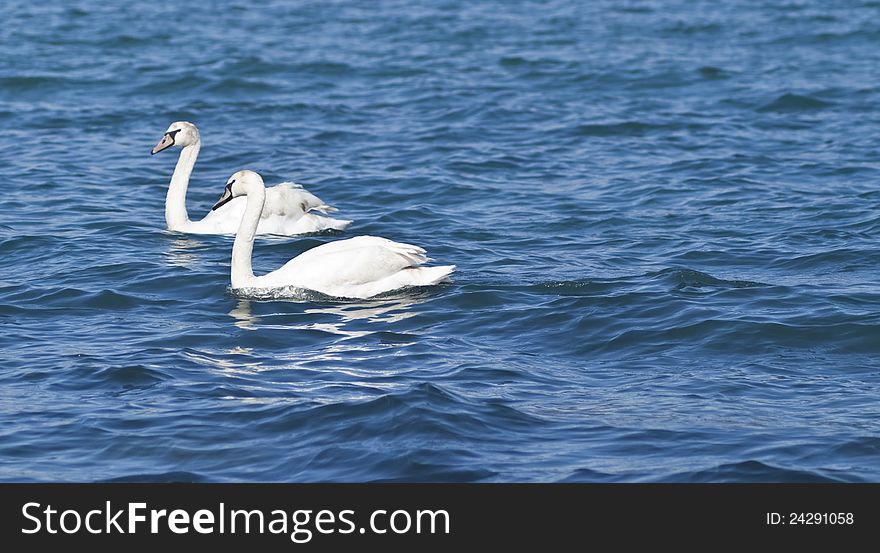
291	209
358	267
287	211
291	199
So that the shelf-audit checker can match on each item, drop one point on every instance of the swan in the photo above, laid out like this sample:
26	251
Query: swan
359	267
289	207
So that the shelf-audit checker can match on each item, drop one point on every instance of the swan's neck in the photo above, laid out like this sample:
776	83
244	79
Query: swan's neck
175	201
243	248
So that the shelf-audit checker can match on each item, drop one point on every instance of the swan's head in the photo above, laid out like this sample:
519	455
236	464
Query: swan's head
180	134
239	184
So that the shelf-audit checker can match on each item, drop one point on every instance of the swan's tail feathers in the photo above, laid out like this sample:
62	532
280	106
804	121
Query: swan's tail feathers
413	254
312	222
433	275
293	196
337	224
324	208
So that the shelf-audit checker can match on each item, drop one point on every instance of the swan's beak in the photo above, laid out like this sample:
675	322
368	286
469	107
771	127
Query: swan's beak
227	195
166	142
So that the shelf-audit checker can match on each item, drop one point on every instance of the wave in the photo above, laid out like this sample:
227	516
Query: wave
105	299
751	471
795	102
689	278
712	72
173	477
87	376
841	258
674	278
625	128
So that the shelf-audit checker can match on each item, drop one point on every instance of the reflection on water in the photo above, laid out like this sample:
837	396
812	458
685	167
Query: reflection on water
390	311
236	360
386	311
345	351
243	316
349	323
182	252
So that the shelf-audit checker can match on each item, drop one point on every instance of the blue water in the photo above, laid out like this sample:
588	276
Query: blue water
664	216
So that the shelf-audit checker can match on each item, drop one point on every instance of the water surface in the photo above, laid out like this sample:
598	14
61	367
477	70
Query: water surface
664	217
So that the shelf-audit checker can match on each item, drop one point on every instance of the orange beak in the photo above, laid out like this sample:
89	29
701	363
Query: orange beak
166	142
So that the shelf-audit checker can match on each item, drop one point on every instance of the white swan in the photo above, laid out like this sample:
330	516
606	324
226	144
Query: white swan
358	267
289	207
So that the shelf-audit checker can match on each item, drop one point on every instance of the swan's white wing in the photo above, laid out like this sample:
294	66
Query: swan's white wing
357	267
286	212
289	197
291	209
224	220
354	261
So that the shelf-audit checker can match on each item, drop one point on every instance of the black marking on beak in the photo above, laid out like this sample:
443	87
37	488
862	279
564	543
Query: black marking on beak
227	195
169	134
